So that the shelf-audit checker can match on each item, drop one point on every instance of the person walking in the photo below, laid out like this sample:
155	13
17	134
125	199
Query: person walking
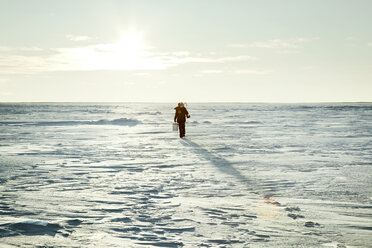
180	118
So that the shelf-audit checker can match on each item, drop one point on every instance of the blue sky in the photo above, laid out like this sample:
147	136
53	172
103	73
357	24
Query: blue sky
196	51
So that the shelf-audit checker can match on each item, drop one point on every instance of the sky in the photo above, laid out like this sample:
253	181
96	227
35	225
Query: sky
192	51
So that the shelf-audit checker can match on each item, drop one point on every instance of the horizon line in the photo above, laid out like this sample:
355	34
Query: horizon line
197	102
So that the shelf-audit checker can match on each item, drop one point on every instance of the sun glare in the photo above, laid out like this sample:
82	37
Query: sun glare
129	52
131	43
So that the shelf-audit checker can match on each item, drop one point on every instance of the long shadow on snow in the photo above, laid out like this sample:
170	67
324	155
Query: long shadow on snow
222	164
227	167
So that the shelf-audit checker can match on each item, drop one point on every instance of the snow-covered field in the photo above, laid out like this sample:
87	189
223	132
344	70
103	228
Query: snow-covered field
246	175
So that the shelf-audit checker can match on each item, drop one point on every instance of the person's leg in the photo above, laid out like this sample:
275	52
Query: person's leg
182	129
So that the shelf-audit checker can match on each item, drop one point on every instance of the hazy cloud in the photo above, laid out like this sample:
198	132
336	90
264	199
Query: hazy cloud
248	71
351	38
253	71
20	49
181	53
206	59
235	58
142	74
211	71
77	37
238	45
111	56
293	43
10	64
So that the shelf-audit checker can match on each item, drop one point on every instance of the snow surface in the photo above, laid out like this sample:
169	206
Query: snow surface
246	175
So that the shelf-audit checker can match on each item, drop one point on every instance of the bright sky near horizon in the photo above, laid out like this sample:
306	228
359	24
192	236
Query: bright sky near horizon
193	51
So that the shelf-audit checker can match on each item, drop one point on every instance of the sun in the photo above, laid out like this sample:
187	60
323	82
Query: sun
128	52
131	40
131	45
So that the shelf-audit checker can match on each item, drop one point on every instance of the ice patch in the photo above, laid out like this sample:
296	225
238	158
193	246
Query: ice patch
179	229
36	222
150	113
246	122
118	122
163	244
29	228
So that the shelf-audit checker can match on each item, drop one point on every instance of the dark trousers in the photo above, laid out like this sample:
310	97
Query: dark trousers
182	128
